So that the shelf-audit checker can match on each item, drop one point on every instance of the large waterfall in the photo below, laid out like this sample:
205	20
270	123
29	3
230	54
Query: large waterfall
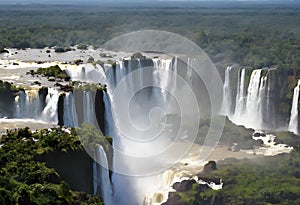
247	105
293	124
135	111
251	97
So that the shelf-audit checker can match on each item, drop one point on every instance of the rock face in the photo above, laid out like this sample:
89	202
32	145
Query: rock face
210	166
174	199
100	109
60	110
185	185
7	92
74	167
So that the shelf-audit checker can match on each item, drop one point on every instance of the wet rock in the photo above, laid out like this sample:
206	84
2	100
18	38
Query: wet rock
208	179
4	50
259	134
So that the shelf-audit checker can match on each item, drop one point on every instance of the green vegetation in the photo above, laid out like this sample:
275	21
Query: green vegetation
7	92
271	180
249	34
61	49
26	180
52	71
88	87
232	134
287	138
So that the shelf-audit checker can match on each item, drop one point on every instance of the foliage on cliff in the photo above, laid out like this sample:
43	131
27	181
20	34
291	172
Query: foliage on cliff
7	92
26	180
52	71
271	180
232	134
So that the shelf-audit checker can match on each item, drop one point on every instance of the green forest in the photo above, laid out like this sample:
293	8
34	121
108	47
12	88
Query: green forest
251	35
29	176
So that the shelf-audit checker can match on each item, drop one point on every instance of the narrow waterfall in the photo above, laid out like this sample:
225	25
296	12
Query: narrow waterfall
102	183
88	108
240	97
293	124
49	113
261	104
70	115
227	95
28	104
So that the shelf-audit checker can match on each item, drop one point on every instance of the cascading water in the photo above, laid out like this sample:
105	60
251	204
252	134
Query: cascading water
70	115
251	104
163	73
88	108
253	99
262	100
102	183
49	113
240	97
293	124
28	104
227	96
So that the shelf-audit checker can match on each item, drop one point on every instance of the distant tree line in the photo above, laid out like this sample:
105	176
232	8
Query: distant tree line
255	36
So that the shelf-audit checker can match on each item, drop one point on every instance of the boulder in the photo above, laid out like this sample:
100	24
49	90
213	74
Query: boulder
185	185
210	166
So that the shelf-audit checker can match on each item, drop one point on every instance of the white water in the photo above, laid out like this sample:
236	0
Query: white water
102	183
128	139
70	115
293	124
270	147
88	108
49	113
240	97
253	99
252	103
227	98
28	104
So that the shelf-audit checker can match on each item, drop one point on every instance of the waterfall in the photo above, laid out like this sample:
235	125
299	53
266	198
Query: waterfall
85	73
252	104
28	104
227	95
262	101
49	113
253	96
293	124
88	108
240	97
127	116
134	112
102	183
70	115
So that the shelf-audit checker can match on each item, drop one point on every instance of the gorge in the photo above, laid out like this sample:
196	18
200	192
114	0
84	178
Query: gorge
251	98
